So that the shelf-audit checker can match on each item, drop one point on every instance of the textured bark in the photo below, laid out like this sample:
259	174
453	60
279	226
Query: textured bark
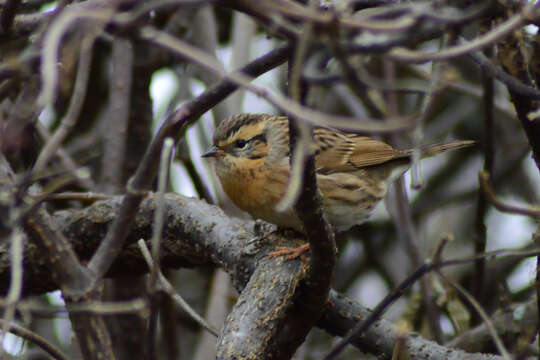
199	234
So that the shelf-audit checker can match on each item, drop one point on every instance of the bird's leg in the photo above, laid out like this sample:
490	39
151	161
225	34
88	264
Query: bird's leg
288	252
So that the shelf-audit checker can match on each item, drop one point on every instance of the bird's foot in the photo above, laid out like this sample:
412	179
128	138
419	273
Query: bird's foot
290	253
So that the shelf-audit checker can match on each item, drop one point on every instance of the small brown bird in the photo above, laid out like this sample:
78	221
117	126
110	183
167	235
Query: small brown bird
251	153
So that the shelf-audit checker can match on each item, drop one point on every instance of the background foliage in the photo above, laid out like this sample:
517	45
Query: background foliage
91	90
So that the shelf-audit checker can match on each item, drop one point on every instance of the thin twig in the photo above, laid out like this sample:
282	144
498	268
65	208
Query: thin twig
134	306
84	181
361	327
300	151
80	196
388	300
16	262
283	15
353	80
527	14
51	44
510	81
414	245
285	104
34	338
481	207
485	318
429	103
299	154
74	277
383	305
157	229
159	214
531	211
169	289
75	105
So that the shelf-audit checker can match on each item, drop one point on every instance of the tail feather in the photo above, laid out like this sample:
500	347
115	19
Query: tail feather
435	149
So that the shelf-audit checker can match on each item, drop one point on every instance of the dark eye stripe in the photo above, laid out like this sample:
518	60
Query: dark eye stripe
260	137
235	123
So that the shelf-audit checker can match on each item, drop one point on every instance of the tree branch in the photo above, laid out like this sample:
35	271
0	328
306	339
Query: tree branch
197	233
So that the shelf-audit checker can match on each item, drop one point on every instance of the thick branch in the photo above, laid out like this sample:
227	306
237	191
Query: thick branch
197	233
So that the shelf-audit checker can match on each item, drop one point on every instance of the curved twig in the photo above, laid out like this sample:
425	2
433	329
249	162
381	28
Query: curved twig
483	178
528	13
36	339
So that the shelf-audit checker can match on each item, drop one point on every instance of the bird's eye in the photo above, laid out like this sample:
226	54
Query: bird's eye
240	144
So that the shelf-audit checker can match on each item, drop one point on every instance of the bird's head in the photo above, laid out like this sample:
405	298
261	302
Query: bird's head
248	140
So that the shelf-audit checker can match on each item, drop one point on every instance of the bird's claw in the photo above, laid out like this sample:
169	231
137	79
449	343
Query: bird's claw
290	253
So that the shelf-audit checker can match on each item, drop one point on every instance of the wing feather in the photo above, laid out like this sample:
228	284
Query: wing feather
348	152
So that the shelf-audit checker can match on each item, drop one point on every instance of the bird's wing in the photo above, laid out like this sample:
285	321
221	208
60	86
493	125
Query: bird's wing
341	152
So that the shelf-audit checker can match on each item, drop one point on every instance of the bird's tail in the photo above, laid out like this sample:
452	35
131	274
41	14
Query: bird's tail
435	149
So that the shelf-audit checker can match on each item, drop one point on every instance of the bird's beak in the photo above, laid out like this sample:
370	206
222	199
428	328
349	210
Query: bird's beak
212	152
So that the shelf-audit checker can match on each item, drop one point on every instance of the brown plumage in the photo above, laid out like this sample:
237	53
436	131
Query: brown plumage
353	171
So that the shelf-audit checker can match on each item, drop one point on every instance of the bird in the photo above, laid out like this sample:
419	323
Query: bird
353	172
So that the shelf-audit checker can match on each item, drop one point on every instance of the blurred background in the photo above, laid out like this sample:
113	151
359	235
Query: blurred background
131	86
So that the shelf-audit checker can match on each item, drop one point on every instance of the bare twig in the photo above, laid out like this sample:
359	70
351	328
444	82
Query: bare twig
481	312
361	327
67	161
53	37
413	245
81	196
303	142
510	323
481	207
15	285
531	211
169	289
527	14
75	105
135	306
159	220
353	79
386	20
34	338
285	104
510	81
389	299
159	214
